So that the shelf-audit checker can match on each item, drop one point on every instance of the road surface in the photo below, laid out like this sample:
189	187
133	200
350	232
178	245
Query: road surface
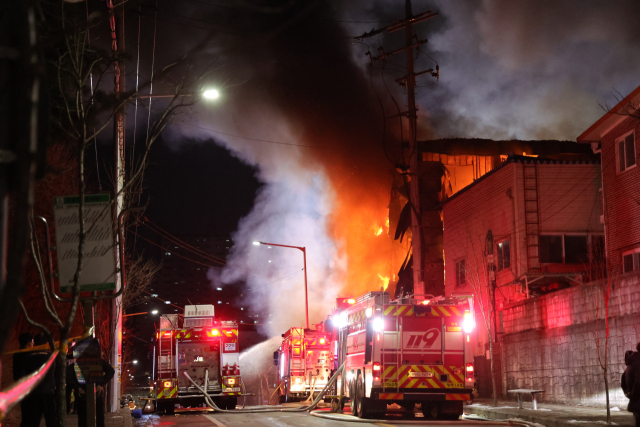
293	419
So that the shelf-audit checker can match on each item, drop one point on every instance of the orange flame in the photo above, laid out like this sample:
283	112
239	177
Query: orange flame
385	281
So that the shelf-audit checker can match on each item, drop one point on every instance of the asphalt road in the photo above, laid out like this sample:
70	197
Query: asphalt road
294	419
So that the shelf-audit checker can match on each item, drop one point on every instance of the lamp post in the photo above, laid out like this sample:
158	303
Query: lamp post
207	94
304	255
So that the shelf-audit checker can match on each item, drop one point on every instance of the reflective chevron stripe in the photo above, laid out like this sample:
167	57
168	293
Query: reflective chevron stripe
391	396
457	396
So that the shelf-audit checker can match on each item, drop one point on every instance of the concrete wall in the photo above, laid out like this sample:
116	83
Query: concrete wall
550	342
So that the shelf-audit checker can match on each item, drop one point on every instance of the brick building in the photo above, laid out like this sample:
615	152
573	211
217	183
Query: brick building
615	136
545	219
544	216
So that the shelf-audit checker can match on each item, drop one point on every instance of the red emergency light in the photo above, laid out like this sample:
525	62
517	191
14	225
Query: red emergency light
322	340
376	371
167	384
469	372
214	332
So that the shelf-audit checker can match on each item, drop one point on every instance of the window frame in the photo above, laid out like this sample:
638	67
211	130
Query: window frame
590	246
500	254
561	243
459	284
618	140
635	256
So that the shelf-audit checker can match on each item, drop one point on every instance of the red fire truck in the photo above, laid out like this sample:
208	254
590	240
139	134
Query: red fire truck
304	362
203	348
406	352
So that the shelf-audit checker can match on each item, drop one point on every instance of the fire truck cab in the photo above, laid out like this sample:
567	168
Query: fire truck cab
206	349
304	362
407	352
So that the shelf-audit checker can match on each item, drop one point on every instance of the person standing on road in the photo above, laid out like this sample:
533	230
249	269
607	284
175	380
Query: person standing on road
631	382
19	369
41	400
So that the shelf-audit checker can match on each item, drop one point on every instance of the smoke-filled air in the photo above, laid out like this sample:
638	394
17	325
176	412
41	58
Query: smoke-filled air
311	113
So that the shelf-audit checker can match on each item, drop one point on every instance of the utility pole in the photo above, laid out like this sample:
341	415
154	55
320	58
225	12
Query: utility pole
412	169
118	46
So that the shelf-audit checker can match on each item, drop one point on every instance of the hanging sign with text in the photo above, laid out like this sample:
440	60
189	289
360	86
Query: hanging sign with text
98	267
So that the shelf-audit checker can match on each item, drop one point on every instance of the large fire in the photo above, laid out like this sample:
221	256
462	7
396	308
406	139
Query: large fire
385	281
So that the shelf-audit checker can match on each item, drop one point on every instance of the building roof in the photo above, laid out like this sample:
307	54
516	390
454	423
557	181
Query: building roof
611	119
521	159
489	147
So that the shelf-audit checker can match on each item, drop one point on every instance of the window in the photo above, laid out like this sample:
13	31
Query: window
571	248
504	255
550	249
576	250
631	261
626	152
460	273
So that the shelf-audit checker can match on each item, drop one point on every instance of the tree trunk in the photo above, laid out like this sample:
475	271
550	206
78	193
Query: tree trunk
493	376
606	387
61	380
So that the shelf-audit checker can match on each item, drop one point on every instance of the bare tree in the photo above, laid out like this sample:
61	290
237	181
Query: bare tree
477	274
83	107
600	295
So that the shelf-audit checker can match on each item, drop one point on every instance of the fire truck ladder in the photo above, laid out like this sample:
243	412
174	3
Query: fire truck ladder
166	356
531	214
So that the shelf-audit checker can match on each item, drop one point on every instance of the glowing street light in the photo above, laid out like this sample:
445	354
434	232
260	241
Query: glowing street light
304	254
154	311
211	94
207	94
135	361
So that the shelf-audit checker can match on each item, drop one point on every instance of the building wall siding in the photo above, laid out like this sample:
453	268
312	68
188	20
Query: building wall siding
621	196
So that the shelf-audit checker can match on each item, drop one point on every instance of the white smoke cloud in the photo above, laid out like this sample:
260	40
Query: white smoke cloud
292	208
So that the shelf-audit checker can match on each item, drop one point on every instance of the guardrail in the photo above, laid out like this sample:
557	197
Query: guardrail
14	394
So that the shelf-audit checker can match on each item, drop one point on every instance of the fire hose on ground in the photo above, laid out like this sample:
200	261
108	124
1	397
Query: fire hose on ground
304	408
340	417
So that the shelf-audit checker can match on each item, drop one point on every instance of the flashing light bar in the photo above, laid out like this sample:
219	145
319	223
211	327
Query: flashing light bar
351	301
468	323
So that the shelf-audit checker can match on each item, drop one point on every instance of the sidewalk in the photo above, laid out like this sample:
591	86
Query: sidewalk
550	415
111	419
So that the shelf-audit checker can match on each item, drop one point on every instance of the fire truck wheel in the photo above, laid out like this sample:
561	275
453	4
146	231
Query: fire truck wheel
431	410
352	398
363	405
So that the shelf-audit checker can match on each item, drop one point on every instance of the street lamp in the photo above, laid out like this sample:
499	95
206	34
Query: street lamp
207	93
143	312
304	254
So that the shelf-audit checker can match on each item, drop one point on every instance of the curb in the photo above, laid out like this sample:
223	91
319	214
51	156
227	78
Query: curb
126	414
530	416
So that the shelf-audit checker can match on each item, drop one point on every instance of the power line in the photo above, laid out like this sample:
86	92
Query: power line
255	139
173	253
184	245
